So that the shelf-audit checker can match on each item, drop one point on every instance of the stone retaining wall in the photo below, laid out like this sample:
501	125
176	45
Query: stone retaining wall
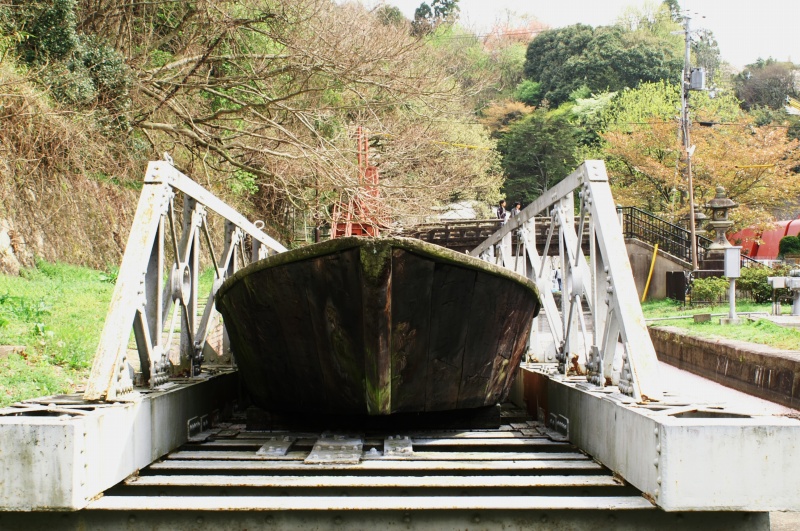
758	370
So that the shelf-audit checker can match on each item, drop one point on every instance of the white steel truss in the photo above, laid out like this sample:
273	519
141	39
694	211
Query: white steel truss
600	285
158	305
682	455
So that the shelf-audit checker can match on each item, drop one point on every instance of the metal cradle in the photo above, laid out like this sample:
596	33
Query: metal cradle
600	285
147	295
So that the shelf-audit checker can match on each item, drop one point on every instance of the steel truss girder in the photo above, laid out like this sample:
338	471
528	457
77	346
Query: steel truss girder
601	284
148	305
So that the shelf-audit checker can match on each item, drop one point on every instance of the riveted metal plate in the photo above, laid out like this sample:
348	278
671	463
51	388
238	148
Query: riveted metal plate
558	427
336	448
199	428
398	446
276	446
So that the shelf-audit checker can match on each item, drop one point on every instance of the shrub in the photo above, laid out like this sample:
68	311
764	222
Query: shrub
528	92
710	289
70	84
77	69
789	245
50	27
754	282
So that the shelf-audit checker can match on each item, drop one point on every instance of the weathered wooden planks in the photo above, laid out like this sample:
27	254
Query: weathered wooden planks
363	326
336	317
411	314
452	294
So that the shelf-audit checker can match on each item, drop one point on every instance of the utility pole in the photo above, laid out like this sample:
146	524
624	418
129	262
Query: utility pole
685	124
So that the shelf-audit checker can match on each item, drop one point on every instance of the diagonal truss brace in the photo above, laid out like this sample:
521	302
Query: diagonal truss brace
617	350
146	301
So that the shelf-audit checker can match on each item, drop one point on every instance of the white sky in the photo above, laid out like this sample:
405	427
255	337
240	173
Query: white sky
745	29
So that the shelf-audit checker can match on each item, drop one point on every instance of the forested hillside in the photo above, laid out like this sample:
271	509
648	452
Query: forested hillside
260	100
614	93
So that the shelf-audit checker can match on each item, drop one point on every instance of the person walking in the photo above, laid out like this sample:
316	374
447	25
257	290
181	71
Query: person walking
501	210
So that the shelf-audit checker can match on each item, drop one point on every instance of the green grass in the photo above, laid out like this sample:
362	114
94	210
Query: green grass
671	308
758	330
54	314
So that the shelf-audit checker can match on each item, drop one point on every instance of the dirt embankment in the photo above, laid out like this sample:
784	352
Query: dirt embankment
67	187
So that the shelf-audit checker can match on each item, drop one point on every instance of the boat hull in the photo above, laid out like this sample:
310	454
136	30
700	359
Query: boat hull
372	326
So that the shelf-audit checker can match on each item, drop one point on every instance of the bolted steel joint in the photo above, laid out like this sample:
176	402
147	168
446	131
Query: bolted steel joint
181	282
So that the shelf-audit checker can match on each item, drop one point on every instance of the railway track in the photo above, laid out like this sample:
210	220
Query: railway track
518	476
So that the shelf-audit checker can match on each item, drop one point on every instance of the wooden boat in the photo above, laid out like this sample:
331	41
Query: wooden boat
376	326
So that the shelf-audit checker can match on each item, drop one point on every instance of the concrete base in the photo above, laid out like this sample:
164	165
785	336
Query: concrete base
730	321
58	453
758	370
683	456
557	520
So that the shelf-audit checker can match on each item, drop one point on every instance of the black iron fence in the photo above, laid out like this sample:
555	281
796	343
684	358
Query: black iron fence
671	238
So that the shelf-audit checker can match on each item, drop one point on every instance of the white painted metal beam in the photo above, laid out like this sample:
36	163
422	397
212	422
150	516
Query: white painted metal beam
58	458
684	456
141	300
601	283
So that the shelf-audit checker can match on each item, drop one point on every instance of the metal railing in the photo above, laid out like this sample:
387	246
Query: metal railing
671	238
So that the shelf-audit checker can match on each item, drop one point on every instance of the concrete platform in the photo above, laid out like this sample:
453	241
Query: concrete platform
519	476
694	451
758	370
58	453
785	320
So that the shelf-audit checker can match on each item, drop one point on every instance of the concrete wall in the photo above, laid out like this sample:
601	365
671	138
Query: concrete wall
641	254
758	370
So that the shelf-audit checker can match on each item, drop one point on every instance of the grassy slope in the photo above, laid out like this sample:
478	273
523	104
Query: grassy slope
54	313
758	330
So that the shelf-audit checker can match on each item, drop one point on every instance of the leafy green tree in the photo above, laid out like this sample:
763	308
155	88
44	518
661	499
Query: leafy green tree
674	9
754	280
50	28
607	58
789	245
646	161
77	68
528	92
708	290
590	115
487	71
390	15
538	152
547	54
766	83
705	50
427	17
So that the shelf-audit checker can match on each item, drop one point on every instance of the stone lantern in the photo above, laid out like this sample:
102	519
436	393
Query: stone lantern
699	220
719	206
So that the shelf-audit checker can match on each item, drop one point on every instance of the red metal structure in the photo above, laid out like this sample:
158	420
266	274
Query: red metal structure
763	245
361	214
